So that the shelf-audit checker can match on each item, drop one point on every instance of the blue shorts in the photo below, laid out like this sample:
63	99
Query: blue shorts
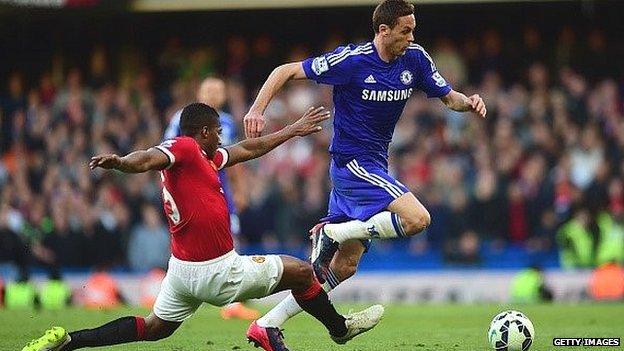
362	188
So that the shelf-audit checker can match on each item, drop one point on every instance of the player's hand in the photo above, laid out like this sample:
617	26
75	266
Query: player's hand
477	105
254	124
106	161
309	122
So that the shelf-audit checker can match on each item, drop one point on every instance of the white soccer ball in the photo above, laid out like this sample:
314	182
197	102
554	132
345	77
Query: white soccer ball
511	331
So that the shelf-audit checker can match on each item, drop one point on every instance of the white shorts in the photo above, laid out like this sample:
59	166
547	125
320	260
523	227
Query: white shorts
220	281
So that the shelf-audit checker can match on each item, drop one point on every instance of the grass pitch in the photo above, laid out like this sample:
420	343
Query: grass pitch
404	327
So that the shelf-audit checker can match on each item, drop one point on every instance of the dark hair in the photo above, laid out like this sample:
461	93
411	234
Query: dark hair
389	11
196	116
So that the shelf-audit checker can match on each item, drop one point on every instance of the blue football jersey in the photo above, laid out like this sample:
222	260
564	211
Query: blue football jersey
370	94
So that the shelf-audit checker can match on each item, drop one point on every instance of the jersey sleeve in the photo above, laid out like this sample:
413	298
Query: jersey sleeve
178	150
229	135
333	68
431	81
220	158
173	129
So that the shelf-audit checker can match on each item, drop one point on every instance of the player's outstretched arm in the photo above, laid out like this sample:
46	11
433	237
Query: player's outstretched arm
254	119
255	147
134	162
457	101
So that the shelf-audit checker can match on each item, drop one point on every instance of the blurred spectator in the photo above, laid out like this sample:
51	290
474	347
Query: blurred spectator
99	73
200	64
449	61
533	49
543	238
586	158
237	57
65	244
487	207
607	282
465	250
576	239
170	61
47	89
566	47
457	221
615	197
589	241
528	286
55	294
21	294
263	58
106	228
14	101
492	58
596	60
101	291
149	242
12	247
610	245
536	190
518	227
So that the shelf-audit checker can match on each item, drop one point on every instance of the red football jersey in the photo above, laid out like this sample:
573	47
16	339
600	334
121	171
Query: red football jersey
196	209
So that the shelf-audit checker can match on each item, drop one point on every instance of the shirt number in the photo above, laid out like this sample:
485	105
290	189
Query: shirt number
171	209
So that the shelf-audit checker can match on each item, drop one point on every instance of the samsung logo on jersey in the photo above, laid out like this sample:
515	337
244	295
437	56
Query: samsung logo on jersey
386	95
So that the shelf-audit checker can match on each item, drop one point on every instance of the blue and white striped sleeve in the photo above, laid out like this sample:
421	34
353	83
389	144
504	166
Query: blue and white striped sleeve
334	68
431	81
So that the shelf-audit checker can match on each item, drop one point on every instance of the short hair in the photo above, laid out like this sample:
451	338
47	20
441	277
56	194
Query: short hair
196	116
389	11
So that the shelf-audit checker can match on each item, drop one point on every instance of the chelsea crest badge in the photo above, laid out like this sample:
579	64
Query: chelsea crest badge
406	77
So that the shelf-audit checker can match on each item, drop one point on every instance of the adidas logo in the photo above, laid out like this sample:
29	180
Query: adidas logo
372	232
370	79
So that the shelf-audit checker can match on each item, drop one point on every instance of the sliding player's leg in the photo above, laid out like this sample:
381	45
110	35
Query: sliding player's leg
174	304
342	267
120	331
298	277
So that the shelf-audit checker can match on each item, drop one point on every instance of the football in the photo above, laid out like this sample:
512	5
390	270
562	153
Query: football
511	331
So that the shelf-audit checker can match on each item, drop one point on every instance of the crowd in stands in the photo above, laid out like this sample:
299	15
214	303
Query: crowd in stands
544	170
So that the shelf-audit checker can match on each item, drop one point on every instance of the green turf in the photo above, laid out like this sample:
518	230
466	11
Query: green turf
405	327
